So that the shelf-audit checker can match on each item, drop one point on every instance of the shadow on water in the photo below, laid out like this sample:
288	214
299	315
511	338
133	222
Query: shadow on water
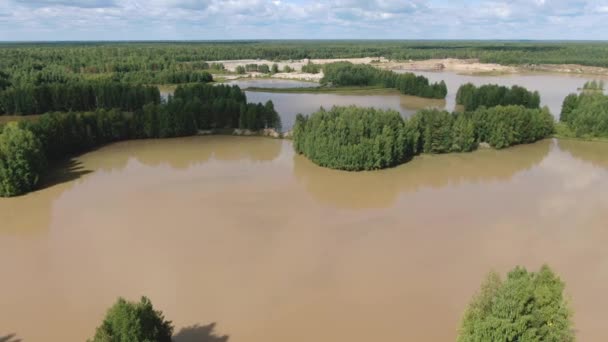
198	333
63	172
10	338
593	152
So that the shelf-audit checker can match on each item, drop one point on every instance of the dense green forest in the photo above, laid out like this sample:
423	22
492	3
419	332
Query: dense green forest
26	147
187	62
76	96
526	306
353	138
472	97
586	114
348	74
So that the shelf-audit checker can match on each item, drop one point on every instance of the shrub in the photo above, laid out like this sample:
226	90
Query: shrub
21	161
586	114
133	322
527	306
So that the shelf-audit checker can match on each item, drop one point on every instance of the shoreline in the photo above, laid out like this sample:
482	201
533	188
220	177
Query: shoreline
461	66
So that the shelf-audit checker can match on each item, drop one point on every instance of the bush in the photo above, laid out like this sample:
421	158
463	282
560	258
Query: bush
527	306
21	161
352	138
133	322
491	95
311	68
586	114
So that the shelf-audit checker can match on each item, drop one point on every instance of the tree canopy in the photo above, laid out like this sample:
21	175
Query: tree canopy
348	74
21	160
491	95
586	114
133	322
526	306
352	138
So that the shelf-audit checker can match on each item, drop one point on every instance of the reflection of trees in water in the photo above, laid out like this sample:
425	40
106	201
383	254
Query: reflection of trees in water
10	338
592	152
379	189
415	103
182	153
199	333
32	212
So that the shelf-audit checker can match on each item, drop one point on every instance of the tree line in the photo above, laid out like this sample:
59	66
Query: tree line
27	147
348	74
75	96
354	139
586	114
472	97
110	57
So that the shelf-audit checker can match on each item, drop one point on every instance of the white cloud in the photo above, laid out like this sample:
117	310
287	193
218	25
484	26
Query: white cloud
225	19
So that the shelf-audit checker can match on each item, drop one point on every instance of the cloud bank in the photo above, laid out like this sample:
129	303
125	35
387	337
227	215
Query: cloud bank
301	19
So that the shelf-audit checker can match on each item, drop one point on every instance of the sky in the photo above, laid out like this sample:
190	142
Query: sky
42	20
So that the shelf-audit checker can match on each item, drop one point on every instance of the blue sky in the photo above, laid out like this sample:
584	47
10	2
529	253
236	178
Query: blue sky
301	19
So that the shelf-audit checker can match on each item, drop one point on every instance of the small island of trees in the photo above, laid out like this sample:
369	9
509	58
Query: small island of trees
347	74
472	97
355	139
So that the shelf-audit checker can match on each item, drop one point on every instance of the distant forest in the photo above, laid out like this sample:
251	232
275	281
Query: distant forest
185	62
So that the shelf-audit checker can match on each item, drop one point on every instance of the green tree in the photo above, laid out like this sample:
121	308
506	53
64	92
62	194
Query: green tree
527	306
133	322
21	161
275	68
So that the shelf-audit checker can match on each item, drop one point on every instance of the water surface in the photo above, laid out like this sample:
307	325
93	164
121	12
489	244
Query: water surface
242	232
552	87
289	105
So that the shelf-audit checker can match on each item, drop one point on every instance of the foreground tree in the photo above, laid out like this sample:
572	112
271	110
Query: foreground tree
21	161
133	322
527	306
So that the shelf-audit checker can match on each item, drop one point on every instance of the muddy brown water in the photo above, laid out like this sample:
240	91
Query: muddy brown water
553	88
243	233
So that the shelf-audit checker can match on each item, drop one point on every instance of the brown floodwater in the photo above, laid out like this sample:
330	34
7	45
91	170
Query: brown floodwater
243	233
552	87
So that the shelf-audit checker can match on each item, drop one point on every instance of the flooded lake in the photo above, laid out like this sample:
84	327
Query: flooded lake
289	105
241	232
553	88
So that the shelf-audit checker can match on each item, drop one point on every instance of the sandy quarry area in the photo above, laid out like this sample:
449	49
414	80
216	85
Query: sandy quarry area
464	66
